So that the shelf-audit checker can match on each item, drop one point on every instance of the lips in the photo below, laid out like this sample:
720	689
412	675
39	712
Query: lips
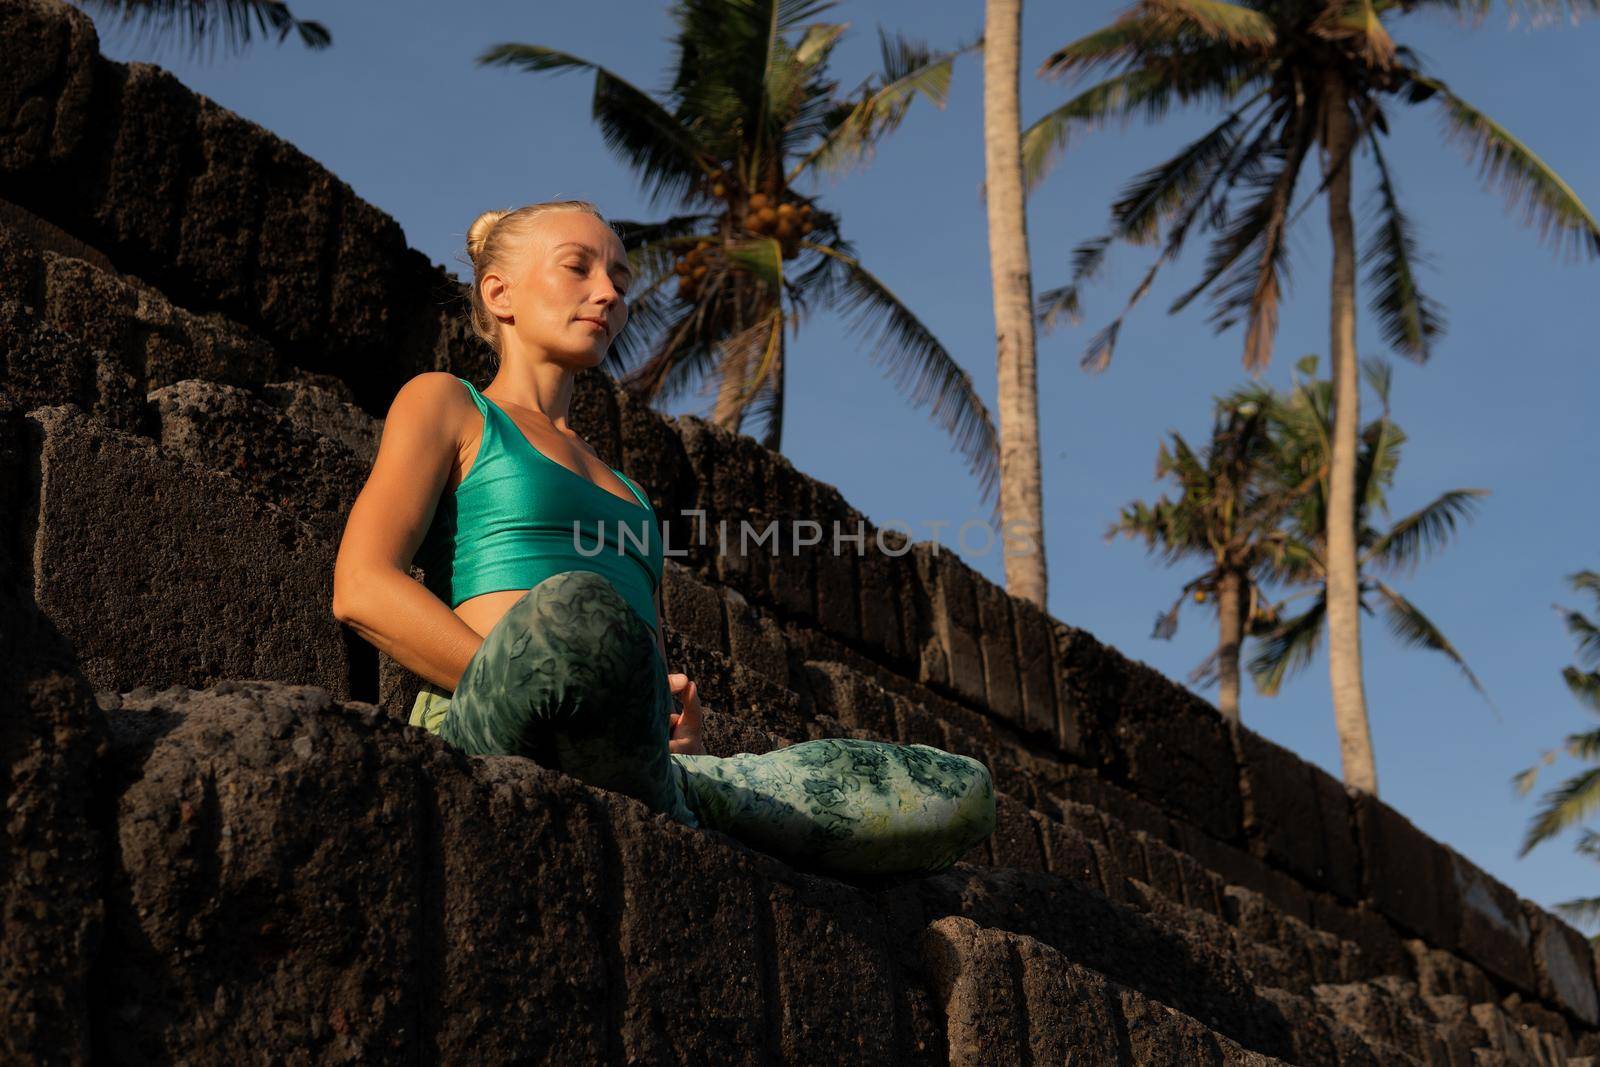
603	327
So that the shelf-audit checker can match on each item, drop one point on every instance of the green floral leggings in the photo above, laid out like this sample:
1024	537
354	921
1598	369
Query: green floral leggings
572	678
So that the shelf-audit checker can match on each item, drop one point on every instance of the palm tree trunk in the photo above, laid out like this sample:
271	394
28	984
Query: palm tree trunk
1344	615
729	410
1230	616
1021	495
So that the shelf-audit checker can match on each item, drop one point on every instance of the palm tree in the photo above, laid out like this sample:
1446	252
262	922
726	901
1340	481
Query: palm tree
749	113
1304	436
1011	276
1226	514
203	22
1297	76
1575	800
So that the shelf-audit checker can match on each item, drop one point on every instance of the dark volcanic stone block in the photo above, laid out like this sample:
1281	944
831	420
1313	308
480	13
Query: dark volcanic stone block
517	870
160	572
50	53
690	606
1161	1037
52	851
835	984
1281	814
281	461
1069	853
685	939
1565	963
146	185
265	897
851	698
593	415
217	239
970	970
1071	1015
1015	841
792	567
294	248
1493	930
755	640
948	622
835	560
1342	870
1175	751
881	578
1408	875
1036	669
997	642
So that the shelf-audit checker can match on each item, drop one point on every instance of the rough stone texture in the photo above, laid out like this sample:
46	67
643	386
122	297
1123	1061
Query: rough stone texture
52	851
265	892
195	584
1493	930
282	442
198	319
1407	874
1565	964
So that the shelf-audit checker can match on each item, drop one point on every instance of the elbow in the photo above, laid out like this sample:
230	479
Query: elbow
343	609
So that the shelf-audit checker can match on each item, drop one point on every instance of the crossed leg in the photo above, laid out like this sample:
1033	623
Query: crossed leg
571	677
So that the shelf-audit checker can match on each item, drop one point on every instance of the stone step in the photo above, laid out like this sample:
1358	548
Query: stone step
1276	948
339	885
162	572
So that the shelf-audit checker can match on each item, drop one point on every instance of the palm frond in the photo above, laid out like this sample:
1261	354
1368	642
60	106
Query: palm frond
1568	804
1472	12
1424	531
1356	21
1547	201
1585	685
1287	648
910	69
919	366
666	154
1180	185
1414	628
202	24
1409	319
1580	912
1253	284
1215	20
1149	91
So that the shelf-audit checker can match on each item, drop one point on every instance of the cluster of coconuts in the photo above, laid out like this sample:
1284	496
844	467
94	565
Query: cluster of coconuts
690	268
766	213
773	217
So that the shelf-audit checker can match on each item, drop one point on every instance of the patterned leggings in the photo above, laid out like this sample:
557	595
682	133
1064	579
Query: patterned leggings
572	678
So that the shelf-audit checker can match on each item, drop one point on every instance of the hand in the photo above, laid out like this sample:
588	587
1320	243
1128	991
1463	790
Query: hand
685	737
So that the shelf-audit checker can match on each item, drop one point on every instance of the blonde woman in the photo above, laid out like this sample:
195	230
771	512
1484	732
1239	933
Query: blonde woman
538	626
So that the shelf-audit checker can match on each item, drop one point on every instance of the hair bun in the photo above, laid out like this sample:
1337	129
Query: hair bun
478	232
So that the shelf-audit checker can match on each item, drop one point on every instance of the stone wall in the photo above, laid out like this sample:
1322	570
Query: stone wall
221	842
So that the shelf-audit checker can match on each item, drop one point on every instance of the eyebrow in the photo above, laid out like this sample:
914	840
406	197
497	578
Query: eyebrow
591	250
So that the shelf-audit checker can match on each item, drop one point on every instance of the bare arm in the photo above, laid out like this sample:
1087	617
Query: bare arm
373	591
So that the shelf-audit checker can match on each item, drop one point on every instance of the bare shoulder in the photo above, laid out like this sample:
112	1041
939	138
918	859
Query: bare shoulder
431	405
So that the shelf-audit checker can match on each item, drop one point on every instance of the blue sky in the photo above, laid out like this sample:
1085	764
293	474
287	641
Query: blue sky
399	110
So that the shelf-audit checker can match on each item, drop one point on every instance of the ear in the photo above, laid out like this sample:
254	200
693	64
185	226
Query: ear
496	294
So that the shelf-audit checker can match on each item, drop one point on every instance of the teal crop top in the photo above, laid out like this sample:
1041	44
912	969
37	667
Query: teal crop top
510	524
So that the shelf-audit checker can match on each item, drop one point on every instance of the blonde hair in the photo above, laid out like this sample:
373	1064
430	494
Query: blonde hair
489	242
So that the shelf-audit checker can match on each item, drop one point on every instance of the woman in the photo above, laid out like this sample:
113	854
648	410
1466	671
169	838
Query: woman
538	626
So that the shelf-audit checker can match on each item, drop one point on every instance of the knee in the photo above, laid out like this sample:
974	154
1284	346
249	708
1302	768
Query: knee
582	606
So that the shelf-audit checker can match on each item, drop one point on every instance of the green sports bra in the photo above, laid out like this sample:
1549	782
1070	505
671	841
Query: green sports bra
519	517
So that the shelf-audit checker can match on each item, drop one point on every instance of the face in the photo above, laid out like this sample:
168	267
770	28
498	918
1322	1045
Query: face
562	291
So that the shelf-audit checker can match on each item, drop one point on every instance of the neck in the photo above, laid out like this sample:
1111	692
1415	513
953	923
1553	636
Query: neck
532	379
